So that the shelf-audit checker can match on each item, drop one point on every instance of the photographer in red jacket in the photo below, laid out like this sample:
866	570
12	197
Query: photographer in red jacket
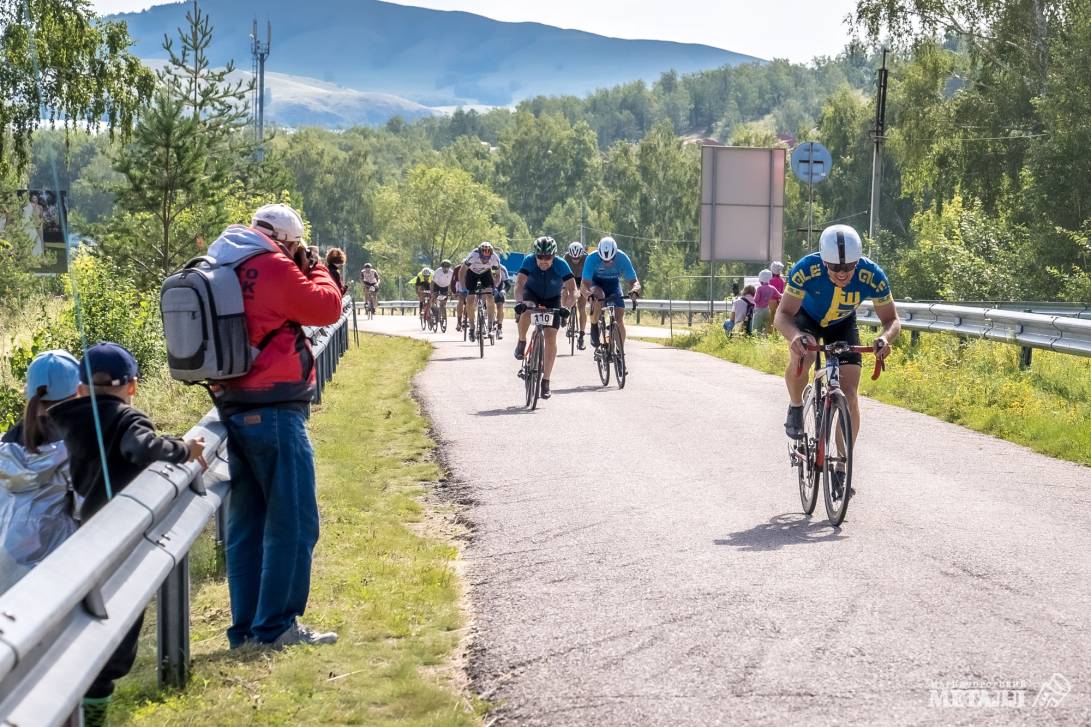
272	524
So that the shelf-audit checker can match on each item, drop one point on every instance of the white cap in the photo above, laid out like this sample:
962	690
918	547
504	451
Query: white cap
279	222
776	267
764	277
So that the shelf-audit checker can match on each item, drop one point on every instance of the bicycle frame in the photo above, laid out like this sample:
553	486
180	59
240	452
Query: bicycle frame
830	373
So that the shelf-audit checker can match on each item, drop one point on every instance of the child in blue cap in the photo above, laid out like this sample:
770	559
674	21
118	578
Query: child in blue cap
131	444
35	487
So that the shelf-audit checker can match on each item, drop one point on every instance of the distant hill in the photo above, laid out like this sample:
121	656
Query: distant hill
431	57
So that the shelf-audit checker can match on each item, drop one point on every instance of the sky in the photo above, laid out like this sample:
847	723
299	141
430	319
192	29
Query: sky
798	30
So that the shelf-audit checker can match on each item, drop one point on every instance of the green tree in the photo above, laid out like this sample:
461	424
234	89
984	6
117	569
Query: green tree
58	61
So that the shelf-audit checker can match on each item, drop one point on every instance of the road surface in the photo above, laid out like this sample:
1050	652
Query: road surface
639	556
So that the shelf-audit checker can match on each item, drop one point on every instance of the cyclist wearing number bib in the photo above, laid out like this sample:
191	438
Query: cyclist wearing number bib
544	281
602	274
823	291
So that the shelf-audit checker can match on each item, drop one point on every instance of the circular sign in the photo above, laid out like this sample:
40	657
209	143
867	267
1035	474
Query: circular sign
811	162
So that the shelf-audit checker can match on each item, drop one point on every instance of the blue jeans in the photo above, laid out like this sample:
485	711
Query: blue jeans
272	522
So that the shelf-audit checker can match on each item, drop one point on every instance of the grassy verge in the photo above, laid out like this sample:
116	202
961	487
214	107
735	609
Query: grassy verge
392	594
975	383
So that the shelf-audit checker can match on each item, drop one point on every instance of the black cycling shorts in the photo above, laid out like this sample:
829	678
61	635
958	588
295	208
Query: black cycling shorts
441	289
533	299
479	280
843	330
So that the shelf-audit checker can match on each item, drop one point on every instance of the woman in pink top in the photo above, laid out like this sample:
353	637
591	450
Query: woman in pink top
777	282
765	295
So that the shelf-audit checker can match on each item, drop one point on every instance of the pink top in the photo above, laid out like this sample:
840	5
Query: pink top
778	283
766	293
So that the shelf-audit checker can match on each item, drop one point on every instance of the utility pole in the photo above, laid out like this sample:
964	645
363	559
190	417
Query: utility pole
583	218
878	134
260	52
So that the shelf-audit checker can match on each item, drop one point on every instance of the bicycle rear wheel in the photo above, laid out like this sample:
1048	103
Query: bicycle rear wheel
602	359
838	438
805	451
618	349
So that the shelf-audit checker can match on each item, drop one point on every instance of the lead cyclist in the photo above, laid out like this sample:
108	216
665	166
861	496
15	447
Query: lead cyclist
823	291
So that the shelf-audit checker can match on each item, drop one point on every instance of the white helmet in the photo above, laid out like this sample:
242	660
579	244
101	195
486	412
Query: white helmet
279	222
607	248
426	272
575	249
776	267
840	244
764	277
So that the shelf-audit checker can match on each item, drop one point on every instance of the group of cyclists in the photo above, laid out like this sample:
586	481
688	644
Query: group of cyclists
824	290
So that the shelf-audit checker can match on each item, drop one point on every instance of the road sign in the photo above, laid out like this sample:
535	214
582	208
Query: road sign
811	162
742	204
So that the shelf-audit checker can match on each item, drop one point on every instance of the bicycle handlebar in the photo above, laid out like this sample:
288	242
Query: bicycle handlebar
842	347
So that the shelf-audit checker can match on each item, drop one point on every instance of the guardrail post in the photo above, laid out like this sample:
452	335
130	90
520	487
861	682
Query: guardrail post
1024	357
914	337
638	316
173	627
689	317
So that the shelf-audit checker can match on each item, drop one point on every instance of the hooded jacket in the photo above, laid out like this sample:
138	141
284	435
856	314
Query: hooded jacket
278	300
35	506
130	441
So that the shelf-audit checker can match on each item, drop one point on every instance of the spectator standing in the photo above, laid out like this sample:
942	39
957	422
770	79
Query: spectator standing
765	295
272	518
35	485
777	268
742	313
131	444
335	261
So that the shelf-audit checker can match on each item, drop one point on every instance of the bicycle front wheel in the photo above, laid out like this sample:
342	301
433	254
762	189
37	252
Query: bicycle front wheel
537	367
805	451
837	469
573	329
618	349
602	359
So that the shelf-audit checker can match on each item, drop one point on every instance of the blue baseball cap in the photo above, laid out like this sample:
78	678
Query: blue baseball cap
110	359
58	371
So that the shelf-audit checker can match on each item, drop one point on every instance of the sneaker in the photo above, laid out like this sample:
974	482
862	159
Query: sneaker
544	393
594	336
472	339
94	711
297	633
579	343
499	333
793	427
520	349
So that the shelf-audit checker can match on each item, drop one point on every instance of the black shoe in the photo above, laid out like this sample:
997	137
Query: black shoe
472	339
520	349
544	393
793	427
594	336
837	483
579	343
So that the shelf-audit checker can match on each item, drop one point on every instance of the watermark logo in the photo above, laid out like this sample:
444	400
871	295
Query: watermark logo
999	694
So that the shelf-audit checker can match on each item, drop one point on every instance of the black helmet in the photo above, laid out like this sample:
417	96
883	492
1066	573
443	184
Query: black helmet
545	246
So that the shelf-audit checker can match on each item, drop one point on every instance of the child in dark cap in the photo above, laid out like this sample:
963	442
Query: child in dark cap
109	372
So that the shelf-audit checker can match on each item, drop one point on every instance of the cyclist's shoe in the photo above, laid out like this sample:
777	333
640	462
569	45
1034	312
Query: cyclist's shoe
579	343
793	427
499	333
594	335
837	482
458	327
544	393
520	349
472	339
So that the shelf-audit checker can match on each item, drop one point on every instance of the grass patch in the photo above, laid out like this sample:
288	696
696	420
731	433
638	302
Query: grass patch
975	383
392	595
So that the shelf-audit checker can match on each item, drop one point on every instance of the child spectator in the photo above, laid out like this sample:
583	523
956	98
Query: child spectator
35	487
763	298
131	444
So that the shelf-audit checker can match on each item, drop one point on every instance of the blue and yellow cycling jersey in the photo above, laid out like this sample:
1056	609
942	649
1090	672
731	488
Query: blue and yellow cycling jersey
620	267
824	301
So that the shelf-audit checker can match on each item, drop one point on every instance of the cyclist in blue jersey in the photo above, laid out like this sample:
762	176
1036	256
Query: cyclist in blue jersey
820	300
602	274
544	281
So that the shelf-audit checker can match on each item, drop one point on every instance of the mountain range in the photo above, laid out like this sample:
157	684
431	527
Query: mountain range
372	59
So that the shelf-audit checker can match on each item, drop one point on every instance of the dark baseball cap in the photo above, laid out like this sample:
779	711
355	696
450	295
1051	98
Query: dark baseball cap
110	359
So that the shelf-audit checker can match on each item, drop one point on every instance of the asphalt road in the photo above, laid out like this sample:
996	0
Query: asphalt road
640	557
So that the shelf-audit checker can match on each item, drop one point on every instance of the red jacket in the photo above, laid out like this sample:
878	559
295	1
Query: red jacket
278	300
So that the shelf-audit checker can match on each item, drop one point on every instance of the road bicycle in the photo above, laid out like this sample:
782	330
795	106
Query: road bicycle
823	456
425	310
572	330
533	368
482	329
437	318
369	304
610	352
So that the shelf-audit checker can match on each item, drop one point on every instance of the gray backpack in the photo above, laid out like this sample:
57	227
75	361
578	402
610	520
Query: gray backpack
204	322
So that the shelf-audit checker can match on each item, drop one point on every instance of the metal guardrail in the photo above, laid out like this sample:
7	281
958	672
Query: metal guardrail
62	621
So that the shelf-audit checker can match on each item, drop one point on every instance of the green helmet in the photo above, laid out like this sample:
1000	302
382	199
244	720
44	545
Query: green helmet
545	246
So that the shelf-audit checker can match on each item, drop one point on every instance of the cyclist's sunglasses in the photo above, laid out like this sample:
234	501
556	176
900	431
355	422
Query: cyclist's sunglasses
841	267
547	256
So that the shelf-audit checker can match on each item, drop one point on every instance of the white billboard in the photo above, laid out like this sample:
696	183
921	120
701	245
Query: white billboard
742	204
